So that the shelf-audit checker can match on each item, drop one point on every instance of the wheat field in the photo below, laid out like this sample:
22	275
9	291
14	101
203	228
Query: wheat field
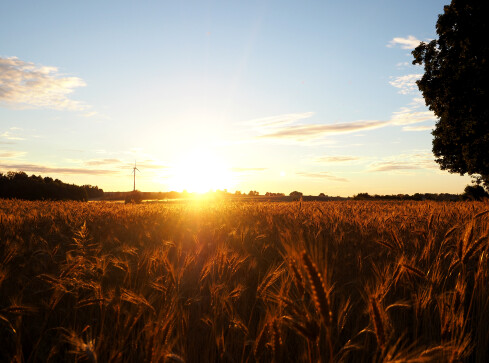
347	281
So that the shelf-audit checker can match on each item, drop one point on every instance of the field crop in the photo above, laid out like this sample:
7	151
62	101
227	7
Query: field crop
350	281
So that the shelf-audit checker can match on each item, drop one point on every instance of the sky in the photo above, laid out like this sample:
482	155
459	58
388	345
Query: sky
272	96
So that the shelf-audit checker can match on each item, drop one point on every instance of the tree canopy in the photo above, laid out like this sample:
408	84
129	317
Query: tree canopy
21	186
474	192
455	87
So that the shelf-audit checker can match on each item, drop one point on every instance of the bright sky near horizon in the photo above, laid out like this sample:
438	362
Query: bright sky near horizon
315	96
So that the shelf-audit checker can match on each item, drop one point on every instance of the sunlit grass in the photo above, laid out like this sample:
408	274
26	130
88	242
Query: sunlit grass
222	281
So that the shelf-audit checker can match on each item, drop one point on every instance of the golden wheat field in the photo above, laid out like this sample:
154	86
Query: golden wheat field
349	281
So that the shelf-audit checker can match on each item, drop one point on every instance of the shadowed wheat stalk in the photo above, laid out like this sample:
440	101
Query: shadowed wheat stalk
233	281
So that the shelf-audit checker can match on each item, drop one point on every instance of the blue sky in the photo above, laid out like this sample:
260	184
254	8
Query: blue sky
316	96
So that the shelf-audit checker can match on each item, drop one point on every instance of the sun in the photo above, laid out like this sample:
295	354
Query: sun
200	171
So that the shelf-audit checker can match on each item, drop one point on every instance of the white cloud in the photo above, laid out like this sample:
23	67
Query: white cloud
410	42
99	162
279	120
8	135
402	65
306	132
90	114
409	116
11	154
321	175
35	168
407	83
405	162
27	85
337	159
286	131
414	113
418	128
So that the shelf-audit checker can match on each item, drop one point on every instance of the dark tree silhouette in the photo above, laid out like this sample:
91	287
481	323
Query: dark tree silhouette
21	186
455	86
474	192
296	195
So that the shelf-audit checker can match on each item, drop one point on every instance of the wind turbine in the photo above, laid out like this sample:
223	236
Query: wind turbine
134	171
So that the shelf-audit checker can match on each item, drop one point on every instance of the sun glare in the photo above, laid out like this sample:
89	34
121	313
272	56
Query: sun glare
200	171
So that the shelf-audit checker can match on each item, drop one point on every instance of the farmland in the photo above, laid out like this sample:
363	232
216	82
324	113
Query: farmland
343	281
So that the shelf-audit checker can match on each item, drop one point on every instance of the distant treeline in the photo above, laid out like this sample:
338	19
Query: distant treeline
416	196
21	186
294	196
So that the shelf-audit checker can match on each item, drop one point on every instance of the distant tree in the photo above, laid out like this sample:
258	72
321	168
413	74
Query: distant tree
253	193
271	194
21	186
295	194
474	192
455	86
322	195
93	191
362	196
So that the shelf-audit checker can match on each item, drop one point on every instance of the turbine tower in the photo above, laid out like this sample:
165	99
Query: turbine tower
134	171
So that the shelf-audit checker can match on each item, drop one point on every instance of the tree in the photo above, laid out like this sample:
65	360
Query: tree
455	86
362	196
474	192
21	186
296	195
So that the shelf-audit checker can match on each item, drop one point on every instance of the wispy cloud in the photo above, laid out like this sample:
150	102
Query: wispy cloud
336	159
151	164
293	128
410	42
34	168
406	84
304	132
402	65
102	162
91	114
289	132
27	85
321	175
11	154
9	135
279	120
405	162
409	115
418	128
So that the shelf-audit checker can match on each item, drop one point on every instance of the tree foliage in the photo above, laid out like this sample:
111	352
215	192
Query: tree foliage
455	87
296	195
21	186
474	192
